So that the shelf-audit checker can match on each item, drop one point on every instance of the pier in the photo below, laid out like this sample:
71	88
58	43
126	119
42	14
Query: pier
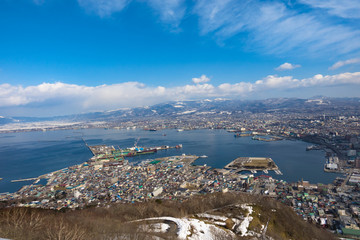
24	180
189	159
253	164
104	151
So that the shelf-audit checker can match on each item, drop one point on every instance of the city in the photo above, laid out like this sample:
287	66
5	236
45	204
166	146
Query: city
109	178
179	119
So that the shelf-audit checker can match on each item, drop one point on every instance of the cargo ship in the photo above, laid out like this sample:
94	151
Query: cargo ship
146	151
242	135
131	152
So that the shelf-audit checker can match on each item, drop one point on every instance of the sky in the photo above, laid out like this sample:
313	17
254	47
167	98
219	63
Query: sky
61	57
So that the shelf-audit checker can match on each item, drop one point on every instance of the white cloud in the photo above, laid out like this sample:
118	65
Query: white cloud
343	63
103	8
202	79
272	81
340	8
267	27
227	89
287	66
288	82
328	80
171	11
275	28
132	94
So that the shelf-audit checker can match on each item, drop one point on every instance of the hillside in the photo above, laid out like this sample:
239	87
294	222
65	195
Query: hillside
216	216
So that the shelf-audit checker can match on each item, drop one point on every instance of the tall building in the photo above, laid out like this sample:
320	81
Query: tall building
357	163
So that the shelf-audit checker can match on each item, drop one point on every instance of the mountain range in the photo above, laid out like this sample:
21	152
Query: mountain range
209	107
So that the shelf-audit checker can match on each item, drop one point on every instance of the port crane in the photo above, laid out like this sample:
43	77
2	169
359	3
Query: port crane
136	142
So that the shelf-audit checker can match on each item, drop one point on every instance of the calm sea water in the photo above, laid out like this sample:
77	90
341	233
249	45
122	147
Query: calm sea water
30	154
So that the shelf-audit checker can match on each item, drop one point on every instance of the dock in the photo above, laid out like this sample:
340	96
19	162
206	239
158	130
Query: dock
271	139
104	151
253	164
189	159
24	180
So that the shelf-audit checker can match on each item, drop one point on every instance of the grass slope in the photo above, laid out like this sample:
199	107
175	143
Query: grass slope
112	222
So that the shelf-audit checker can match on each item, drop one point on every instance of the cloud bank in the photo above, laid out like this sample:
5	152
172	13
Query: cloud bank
133	94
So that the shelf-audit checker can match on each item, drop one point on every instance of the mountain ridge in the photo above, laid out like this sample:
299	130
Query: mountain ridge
206	106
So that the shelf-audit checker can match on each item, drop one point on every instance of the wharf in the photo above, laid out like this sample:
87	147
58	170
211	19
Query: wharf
104	152
189	159
253	164
242	135
24	180
271	139
101	149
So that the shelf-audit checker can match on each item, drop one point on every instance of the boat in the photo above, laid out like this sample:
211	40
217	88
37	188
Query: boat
313	147
242	135
124	153
146	151
203	156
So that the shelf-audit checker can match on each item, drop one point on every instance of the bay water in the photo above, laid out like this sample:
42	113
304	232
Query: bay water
30	154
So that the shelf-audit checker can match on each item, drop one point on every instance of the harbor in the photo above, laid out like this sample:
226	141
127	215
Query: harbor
219	146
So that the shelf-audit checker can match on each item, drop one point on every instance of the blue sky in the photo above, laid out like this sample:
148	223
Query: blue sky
59	57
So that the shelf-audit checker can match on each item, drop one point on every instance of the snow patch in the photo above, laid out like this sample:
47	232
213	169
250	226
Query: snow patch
244	225
155	227
201	113
214	217
194	229
187	112
119	109
225	112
